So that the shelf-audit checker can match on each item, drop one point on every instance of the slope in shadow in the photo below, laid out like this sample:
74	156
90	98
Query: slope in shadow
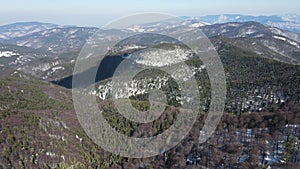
105	70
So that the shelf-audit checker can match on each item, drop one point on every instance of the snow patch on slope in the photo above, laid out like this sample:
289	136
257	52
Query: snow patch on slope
287	40
7	54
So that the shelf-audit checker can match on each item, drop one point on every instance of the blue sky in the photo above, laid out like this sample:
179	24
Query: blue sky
97	12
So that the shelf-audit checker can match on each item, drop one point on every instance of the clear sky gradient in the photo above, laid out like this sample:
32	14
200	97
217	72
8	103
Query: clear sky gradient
97	12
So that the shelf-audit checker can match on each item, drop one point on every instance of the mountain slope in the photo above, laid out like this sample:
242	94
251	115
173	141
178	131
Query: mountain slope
39	128
15	57
56	40
247	67
278	44
286	22
22	29
266	41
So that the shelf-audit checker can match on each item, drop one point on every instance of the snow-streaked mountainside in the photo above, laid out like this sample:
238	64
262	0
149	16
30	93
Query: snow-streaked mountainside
17	56
57	40
168	26
266	41
269	42
7	54
23	28
160	57
43	53
290	22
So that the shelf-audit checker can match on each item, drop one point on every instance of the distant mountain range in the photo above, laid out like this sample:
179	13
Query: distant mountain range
23	28
290	22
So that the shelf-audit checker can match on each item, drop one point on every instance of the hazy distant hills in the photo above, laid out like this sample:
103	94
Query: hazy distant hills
266	41
23	28
57	40
290	22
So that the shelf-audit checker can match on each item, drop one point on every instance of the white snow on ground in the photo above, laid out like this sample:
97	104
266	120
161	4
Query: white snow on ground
129	47
222	18
77	137
46	66
247	31
250	31
23	43
73	31
136	28
7	54
285	25
294	43
197	25
160	57
259	36
233	24
289	41
224	31
280	38
276	31
21	60
54	69
3	37
133	88
50	154
136	87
